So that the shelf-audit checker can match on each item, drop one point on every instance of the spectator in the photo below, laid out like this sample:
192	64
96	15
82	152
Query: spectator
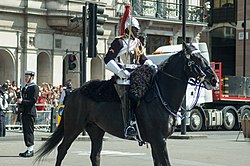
41	100
54	96
12	100
5	88
46	91
7	82
13	85
3	107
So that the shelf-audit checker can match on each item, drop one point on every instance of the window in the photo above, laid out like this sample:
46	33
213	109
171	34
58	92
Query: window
224	3
58	43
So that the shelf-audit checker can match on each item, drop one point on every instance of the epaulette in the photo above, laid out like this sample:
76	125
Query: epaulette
121	37
118	37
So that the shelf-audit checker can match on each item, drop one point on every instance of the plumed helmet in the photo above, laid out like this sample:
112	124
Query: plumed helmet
131	21
31	73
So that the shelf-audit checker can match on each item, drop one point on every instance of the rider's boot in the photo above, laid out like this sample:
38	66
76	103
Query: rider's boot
129	129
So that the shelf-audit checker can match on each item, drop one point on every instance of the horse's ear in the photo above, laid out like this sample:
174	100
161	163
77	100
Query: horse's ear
185	44
187	49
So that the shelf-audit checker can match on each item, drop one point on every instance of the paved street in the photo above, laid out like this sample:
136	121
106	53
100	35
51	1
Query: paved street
215	148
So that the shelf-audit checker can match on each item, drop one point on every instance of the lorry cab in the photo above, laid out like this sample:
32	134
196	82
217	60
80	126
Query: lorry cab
215	108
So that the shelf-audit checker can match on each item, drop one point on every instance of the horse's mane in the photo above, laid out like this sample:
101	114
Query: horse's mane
170	59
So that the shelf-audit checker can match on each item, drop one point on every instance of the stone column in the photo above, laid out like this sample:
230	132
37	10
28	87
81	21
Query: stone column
240	39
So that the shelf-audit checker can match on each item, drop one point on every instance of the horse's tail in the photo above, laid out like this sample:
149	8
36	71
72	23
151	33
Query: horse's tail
52	141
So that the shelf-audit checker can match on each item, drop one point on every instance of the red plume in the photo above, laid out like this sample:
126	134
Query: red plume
124	18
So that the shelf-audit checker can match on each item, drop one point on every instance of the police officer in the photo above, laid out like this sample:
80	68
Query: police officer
66	92
125	53
27	103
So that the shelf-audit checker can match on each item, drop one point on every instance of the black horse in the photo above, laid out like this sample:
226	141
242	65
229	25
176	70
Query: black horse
155	113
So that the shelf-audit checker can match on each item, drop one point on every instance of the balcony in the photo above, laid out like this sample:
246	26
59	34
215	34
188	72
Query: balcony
167	11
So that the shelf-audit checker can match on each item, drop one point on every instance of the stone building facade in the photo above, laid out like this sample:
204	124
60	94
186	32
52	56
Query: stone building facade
37	35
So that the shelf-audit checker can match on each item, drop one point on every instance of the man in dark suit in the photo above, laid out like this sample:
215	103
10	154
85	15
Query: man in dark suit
27	106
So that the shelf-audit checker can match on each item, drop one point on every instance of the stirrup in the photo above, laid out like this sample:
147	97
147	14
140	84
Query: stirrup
130	132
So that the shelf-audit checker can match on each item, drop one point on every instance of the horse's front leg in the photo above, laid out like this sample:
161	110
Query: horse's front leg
155	157
160	153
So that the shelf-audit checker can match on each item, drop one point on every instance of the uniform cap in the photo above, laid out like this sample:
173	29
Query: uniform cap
31	73
68	82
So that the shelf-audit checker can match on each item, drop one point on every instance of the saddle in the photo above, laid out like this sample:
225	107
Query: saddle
101	90
104	91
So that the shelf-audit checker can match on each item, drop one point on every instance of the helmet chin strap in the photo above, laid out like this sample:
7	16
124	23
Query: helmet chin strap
129	38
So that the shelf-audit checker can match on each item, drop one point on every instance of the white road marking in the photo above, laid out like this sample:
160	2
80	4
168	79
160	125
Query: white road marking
109	153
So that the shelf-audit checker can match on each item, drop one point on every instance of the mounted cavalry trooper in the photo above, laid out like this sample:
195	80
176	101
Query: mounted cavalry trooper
124	55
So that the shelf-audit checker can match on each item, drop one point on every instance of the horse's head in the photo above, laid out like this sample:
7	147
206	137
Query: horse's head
199	68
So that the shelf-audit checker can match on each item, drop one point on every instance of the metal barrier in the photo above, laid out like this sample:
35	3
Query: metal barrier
46	119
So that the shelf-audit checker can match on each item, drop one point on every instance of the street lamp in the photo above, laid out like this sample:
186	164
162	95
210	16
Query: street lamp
244	42
82	50
83	47
183	122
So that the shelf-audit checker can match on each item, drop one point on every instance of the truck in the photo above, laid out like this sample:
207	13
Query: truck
223	107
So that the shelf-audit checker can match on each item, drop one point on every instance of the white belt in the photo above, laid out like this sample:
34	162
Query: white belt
131	66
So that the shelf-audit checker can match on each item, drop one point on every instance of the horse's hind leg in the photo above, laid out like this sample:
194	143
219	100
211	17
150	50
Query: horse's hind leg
96	136
66	143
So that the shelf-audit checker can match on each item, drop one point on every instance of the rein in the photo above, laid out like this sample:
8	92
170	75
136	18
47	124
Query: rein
197	82
165	104
169	75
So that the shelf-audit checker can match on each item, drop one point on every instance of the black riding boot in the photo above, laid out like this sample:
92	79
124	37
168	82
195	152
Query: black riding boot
129	129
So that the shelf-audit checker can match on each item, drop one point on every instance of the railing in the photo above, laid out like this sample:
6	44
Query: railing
166	10
45	121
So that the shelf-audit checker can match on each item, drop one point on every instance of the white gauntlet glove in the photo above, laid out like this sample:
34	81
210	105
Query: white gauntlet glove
151	64
112	66
123	74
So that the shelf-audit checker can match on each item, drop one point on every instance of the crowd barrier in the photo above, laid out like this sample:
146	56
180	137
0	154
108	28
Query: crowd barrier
46	119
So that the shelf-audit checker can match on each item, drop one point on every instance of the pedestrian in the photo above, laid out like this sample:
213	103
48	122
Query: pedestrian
3	108
124	55
28	110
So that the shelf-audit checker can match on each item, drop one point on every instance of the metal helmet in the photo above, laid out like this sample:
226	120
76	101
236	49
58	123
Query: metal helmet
133	22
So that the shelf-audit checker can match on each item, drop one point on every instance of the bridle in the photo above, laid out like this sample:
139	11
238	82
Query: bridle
197	81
